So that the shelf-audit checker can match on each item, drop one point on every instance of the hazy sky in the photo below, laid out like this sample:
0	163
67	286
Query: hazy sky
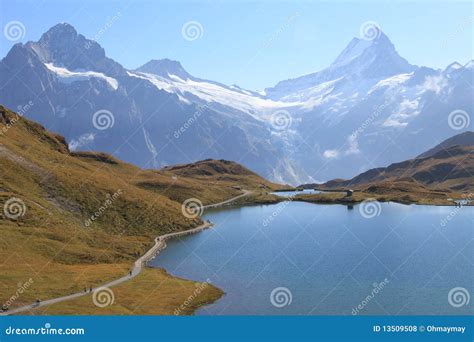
249	43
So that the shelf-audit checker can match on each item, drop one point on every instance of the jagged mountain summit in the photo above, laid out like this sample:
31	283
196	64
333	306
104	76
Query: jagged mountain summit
360	60
369	108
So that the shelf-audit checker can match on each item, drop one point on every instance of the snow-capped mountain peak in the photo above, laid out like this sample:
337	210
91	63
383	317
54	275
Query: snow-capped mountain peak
60	32
361	60
454	66
165	68
63	46
353	50
470	64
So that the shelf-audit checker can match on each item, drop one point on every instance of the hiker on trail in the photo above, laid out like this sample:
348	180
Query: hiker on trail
130	273
91	289
85	289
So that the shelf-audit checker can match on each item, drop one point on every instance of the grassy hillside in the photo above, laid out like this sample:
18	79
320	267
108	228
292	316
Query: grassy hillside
74	220
201	179
443	173
154	293
448	170
462	139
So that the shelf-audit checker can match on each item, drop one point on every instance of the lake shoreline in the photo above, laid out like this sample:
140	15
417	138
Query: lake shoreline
340	197
237	225
249	200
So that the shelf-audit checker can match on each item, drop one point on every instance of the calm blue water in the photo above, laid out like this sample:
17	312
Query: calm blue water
329	257
293	193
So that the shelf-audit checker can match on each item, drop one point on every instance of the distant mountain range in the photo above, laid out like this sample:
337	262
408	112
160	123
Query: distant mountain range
369	108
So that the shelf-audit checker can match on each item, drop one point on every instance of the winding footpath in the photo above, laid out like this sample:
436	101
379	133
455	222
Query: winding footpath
229	201
160	244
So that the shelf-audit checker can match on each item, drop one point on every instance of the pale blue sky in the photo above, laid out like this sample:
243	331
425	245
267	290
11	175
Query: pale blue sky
253	43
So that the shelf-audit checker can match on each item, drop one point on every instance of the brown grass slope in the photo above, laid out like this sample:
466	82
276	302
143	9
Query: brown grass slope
443	173
201	179
57	244
447	168
462	139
